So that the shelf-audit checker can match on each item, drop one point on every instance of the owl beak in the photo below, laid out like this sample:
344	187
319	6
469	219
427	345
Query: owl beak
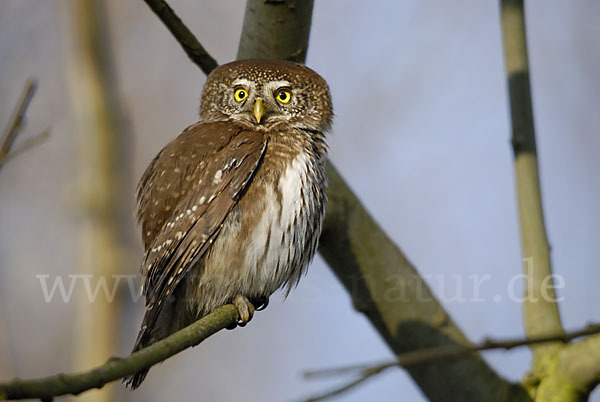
259	109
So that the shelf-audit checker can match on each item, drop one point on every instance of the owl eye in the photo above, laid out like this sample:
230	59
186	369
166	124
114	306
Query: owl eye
240	94
283	96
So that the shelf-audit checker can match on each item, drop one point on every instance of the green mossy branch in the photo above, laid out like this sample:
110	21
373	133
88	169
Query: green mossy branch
116	368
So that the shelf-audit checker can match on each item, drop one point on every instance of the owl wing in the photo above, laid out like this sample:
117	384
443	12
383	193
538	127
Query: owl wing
184	198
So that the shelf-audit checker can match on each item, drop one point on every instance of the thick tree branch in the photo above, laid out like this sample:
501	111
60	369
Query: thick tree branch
387	288
116	368
580	363
540	307
276	30
183	35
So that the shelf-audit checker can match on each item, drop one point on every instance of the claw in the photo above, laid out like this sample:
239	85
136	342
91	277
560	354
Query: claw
245	309
261	302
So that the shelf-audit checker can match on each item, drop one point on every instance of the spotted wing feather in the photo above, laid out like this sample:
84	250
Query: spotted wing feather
205	188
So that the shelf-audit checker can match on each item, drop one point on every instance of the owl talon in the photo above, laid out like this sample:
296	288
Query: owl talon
261	303
245	309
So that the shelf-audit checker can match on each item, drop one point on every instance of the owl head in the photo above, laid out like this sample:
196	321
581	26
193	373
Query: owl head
267	94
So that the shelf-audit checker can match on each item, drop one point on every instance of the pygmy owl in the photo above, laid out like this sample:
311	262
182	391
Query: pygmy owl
231	209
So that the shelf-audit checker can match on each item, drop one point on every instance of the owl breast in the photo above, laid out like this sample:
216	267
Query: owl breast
271	236
285	240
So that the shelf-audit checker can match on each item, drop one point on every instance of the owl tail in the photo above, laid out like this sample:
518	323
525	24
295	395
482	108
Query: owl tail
144	339
136	380
157	324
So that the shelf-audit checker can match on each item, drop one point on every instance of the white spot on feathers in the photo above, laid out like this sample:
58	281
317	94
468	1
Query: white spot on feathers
218	176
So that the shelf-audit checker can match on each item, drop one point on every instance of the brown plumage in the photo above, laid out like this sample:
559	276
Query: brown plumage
231	209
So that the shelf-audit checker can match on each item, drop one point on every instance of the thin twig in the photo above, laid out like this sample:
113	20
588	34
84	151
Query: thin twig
26	145
116	368
17	121
422	356
348	386
183	35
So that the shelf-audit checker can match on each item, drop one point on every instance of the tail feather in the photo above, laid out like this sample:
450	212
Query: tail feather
154	328
146	337
136	379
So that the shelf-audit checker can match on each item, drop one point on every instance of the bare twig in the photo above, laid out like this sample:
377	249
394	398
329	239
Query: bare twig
423	356
26	145
352	384
17	121
183	35
116	368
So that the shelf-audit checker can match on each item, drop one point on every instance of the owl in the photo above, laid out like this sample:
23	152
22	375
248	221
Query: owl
231	209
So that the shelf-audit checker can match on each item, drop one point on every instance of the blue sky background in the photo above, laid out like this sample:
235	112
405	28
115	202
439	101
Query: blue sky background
421	135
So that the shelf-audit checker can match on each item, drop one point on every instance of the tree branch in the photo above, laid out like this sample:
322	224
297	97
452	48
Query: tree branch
105	180
276	30
17	121
580	363
447	352
540	307
387	288
116	368
183	35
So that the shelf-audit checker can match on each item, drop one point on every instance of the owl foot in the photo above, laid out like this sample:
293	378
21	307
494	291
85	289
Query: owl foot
245	309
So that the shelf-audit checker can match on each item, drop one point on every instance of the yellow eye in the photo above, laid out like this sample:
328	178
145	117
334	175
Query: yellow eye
240	94
283	96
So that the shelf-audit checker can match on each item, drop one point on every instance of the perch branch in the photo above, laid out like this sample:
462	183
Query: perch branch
183	35
429	355
116	368
540	308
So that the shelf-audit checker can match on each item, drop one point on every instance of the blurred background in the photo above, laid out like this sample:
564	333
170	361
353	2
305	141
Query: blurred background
421	135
